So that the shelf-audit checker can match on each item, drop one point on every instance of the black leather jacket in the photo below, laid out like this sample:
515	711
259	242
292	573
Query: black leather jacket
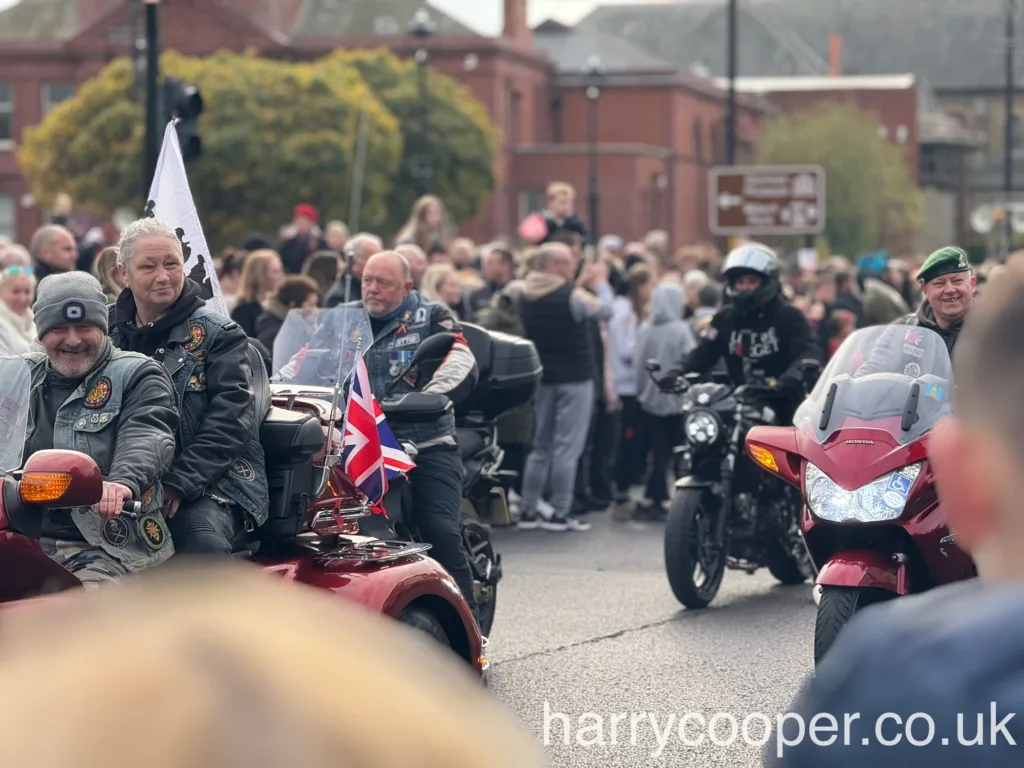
218	452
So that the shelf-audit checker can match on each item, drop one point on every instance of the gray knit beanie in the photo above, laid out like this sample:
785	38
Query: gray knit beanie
70	298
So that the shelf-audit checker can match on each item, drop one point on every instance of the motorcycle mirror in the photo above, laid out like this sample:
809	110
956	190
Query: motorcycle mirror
653	366
60	479
433	349
430	353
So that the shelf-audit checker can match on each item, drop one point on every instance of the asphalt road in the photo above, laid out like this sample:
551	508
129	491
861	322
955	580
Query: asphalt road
588	627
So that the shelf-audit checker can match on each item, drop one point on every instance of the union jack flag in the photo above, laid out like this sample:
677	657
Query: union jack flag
371	454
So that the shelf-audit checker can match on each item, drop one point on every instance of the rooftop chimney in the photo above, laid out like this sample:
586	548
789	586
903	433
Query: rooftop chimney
835	55
516	26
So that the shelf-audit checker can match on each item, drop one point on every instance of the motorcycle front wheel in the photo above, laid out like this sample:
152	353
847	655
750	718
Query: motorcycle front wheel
694	560
835	609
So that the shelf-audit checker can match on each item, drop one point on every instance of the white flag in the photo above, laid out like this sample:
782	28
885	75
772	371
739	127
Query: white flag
170	200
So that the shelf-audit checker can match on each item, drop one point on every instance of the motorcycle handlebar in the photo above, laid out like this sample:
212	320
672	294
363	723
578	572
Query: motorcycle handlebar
131	508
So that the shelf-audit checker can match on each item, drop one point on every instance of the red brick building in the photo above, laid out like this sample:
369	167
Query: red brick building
658	129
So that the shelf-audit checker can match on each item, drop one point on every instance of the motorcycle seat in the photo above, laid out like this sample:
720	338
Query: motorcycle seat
471	442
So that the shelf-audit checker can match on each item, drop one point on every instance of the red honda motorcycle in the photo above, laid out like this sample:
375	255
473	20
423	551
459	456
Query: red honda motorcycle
311	536
872	521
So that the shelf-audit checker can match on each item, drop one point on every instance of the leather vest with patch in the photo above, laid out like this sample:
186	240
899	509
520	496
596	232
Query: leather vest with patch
87	423
390	353
245	482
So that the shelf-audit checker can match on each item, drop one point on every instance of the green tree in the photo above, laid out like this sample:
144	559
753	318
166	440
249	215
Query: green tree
462	140
871	200
274	134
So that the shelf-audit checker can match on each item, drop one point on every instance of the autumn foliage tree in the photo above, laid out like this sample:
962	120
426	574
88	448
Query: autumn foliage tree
461	141
872	201
274	133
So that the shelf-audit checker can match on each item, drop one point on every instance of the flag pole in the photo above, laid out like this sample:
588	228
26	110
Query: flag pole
359	170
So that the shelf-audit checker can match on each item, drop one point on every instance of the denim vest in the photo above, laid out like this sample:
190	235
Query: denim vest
390	354
245	482
87	423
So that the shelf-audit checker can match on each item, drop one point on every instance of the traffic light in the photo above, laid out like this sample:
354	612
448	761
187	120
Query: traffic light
184	102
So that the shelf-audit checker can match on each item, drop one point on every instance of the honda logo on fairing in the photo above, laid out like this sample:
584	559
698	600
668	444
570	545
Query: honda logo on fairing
860	442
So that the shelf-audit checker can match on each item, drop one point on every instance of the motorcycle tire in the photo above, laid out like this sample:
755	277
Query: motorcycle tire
786	570
481	553
835	609
425	622
682	553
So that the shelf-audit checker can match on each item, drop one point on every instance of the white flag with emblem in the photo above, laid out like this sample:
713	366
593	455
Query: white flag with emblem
170	200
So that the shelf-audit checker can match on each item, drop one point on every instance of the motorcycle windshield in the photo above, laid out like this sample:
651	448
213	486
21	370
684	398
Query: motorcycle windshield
15	389
319	347
897	378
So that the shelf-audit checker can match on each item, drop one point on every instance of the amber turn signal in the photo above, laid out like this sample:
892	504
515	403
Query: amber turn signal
763	457
38	487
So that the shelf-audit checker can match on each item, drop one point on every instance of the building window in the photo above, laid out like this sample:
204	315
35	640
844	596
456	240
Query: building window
531	200
556	120
385	25
55	93
6	112
939	167
7	215
515	118
698	141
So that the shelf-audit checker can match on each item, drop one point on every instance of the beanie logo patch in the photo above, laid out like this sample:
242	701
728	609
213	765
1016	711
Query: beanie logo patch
962	264
99	394
74	312
197	332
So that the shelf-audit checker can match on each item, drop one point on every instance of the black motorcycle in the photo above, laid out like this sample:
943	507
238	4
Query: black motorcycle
725	511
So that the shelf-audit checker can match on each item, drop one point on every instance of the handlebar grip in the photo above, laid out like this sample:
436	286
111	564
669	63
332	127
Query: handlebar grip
131	508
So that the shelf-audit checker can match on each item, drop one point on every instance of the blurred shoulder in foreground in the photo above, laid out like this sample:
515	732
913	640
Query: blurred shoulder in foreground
224	667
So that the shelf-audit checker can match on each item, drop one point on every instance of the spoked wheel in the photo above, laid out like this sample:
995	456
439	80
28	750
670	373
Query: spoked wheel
486	567
835	609
694	560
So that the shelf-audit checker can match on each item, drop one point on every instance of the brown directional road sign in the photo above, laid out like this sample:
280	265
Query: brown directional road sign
757	200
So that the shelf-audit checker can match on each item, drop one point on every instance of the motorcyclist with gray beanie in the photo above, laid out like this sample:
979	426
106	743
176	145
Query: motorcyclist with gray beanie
117	408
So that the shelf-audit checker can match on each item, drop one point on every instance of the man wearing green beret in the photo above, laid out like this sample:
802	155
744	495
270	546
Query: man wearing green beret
948	285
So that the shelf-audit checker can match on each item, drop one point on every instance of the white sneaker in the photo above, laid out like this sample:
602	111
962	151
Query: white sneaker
545	510
568	524
528	524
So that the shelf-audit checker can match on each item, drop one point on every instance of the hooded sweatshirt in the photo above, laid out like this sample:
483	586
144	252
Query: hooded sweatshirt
667	338
147	339
925	317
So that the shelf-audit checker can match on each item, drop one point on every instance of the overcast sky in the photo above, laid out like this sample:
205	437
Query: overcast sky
485	15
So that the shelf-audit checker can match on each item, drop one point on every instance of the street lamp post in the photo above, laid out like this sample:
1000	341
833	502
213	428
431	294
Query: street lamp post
422	28
593	94
1011	10
730	112
152	147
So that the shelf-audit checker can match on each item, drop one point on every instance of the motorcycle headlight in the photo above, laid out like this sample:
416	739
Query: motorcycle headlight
877	502
702	428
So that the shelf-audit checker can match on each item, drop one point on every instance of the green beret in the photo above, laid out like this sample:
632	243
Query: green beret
944	261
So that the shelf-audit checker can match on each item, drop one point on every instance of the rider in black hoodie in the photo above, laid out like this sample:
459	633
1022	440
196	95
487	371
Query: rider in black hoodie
757	333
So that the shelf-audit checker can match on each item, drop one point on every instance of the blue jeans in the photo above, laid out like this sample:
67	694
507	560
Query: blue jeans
560	434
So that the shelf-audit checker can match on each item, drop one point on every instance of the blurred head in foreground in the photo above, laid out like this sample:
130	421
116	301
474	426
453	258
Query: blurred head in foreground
978	455
224	668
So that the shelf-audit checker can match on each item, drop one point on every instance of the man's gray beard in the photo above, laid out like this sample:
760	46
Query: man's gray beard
76	371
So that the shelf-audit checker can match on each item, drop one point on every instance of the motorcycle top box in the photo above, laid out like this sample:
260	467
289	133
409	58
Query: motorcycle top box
509	369
872	519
